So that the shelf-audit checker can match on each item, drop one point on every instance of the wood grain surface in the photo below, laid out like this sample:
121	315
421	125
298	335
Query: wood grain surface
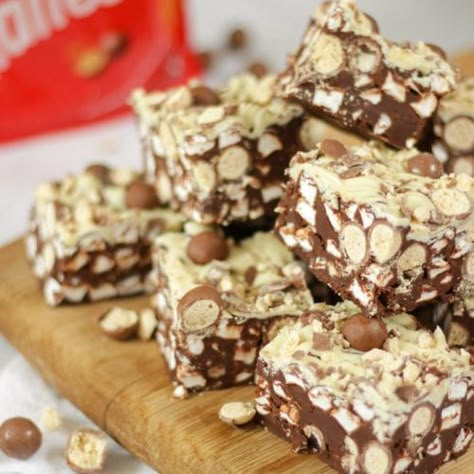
124	387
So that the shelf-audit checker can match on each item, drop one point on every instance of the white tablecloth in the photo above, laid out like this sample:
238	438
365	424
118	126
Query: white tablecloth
276	27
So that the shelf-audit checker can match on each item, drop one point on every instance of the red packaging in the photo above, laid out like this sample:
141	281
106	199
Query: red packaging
69	62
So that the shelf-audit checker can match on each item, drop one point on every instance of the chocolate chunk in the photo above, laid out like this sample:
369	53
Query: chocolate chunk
207	246
258	69
425	164
333	148
100	171
237	39
140	195
203	95
20	438
364	333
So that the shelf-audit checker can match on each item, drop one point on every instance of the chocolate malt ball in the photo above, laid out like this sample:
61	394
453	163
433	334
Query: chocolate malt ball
20	438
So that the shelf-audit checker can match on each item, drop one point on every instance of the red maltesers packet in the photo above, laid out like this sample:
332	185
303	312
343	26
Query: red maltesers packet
68	62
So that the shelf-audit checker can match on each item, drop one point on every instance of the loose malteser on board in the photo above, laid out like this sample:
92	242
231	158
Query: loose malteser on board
90	235
369	396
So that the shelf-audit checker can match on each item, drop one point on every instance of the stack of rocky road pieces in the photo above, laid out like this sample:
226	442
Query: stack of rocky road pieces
367	386
377	224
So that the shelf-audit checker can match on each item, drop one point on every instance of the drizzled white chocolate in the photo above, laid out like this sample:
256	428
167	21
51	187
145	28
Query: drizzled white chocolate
270	293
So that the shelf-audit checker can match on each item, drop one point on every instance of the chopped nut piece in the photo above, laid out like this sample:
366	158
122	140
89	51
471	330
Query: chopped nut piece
180	392
211	115
268	143
237	413
205	176
417	206
368	56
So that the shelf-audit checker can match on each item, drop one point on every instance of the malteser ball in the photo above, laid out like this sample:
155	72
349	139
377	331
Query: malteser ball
20	438
425	164
364	334
207	246
140	195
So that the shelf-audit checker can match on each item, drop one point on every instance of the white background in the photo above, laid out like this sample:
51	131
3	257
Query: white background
275	28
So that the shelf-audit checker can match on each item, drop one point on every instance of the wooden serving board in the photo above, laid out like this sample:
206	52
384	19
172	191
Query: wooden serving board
124	387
